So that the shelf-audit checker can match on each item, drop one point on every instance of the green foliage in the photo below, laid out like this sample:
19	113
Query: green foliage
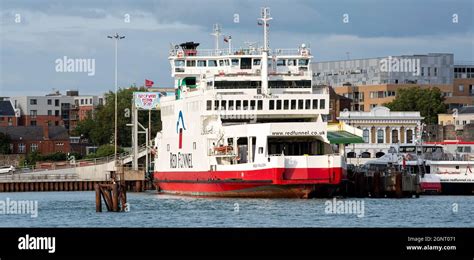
4	143
103	151
99	128
428	101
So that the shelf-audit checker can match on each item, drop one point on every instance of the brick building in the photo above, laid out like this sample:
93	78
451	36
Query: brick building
44	139
8	115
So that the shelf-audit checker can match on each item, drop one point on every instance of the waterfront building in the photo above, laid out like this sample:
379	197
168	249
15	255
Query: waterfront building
373	82
381	129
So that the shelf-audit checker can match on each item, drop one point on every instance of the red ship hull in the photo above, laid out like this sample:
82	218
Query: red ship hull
271	182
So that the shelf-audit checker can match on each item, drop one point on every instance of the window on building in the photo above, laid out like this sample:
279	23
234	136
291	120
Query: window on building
33	113
461	88
21	148
56	102
231	104
246	105
56	112
315	104
279	104
238	104
365	155
50	102
307	104
34	147
33	102
33	123
365	135
435	72
409	136
380	136
252	104
429	71
394	136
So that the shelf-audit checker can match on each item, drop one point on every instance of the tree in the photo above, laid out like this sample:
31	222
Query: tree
429	102
4	143
99	127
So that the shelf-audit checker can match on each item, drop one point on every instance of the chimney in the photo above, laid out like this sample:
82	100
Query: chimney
46	131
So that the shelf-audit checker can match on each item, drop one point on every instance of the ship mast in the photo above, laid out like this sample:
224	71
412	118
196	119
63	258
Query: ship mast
264	22
217	34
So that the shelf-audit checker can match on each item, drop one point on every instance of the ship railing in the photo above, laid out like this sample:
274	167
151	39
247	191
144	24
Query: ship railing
241	51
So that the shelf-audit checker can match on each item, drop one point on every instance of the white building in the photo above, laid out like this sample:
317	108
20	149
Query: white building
381	129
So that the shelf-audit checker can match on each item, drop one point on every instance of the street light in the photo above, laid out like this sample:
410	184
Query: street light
116	37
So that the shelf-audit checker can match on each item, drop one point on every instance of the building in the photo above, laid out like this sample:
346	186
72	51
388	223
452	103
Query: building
8	115
374	81
337	103
381	128
459	118
54	109
44	139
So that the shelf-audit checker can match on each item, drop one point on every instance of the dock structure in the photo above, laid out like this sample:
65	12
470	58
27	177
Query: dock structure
79	176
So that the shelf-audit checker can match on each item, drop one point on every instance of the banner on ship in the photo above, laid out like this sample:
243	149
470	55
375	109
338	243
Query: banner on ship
146	100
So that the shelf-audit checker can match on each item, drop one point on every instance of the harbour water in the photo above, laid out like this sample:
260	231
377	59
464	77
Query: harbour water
148	209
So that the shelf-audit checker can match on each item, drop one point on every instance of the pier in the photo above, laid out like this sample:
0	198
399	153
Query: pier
78	176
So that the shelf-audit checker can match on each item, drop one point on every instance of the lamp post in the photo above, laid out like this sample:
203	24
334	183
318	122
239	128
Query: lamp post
116	37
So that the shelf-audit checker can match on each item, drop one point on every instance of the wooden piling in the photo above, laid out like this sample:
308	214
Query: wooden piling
115	200
98	200
398	185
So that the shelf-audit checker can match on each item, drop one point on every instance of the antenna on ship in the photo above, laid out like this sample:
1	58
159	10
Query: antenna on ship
264	22
217	33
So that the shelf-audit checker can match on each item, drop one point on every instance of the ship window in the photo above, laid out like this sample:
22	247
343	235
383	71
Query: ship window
194	145
256	62
216	104
179	63
190	63
281	63
300	104
245	63
322	104
212	63
307	104
238	104
365	135
221	63
303	62
259	105
291	62
252	104
293	104
260	150
201	63
278	104
168	147
226	62
209	105
246	105
272	105
231	104
235	62
223	104
286	104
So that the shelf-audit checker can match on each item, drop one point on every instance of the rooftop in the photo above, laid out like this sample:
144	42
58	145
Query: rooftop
35	133
6	108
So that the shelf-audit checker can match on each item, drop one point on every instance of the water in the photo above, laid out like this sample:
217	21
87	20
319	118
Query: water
148	209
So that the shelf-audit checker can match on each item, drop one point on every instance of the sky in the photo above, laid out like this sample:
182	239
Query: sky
34	34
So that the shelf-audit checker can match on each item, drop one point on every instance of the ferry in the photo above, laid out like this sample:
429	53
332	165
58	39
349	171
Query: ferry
245	122
441	172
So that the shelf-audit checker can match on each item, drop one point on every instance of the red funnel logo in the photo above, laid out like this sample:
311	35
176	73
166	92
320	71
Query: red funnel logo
179	129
